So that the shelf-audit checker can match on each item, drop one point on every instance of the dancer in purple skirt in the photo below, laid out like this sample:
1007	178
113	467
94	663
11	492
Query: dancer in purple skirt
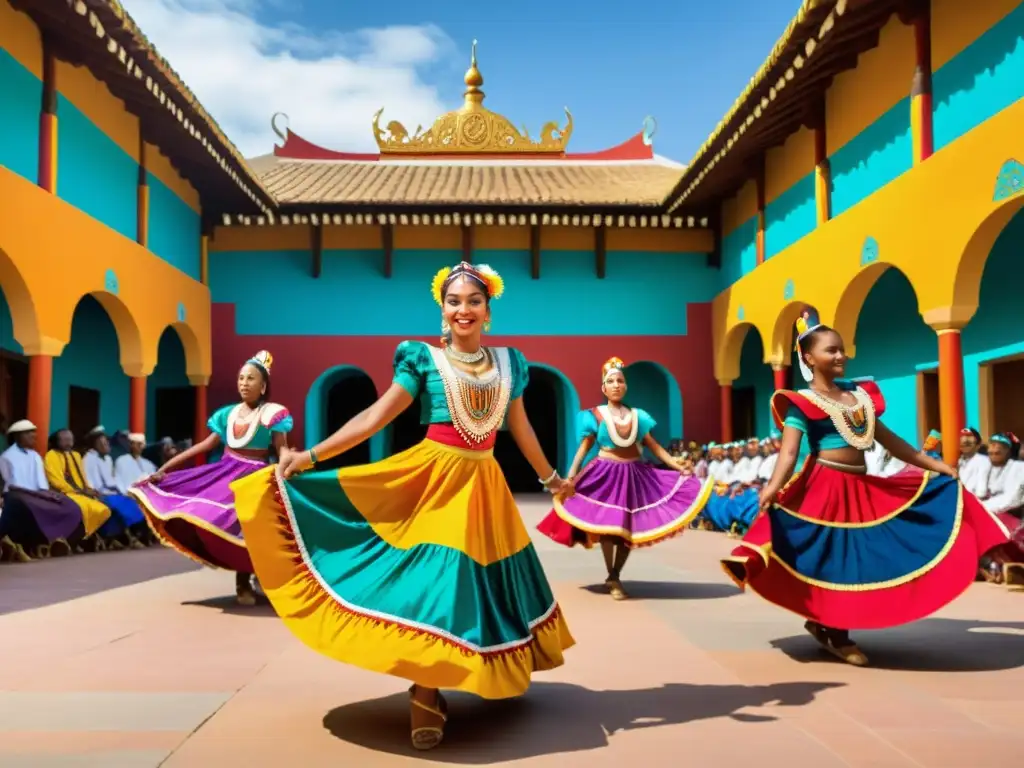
618	499
193	510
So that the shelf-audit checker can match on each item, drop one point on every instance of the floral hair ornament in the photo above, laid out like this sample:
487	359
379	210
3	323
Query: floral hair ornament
933	441
483	274
806	324
262	360
612	365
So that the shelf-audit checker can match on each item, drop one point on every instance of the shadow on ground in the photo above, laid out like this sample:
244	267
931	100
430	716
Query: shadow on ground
669	590
556	718
227	604
931	645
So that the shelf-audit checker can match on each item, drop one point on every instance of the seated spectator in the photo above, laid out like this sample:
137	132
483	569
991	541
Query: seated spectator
66	474
126	525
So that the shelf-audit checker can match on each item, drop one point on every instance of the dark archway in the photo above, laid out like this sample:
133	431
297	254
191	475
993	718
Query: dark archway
752	392
171	400
13	371
653	388
545	401
346	396
89	385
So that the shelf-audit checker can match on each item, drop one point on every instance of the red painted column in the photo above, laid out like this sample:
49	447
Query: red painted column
200	432
137	404
780	377
952	410
921	129
40	392
48	123
726	406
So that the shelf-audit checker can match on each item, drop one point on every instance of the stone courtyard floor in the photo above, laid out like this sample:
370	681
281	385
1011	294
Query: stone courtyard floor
138	659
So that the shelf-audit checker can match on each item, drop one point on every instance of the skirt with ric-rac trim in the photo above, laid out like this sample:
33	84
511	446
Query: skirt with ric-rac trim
853	551
417	566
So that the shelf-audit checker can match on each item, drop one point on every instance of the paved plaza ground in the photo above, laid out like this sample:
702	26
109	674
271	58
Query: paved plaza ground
138	659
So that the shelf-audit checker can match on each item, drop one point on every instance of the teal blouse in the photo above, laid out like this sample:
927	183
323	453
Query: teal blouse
819	434
272	418
416	373
588	426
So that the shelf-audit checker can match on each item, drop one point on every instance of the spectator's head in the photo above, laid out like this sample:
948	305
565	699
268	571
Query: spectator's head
62	440
23	434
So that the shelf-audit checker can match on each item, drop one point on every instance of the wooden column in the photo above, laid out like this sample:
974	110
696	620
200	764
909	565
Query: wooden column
199	430
759	181
814	120
535	251
316	247
467	243
137	404
600	252
952	410
40	393
387	242
204	259
780	377
142	200
48	130
921	129
725	404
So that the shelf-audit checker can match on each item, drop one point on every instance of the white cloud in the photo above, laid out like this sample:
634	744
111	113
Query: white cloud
328	82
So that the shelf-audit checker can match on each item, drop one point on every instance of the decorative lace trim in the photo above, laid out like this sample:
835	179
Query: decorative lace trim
854	423
252	424
477	405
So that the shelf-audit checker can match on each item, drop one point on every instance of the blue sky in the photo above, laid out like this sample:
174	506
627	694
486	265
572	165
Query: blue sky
682	62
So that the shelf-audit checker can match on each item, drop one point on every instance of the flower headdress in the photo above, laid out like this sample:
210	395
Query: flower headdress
933	441
806	324
263	360
483	274
613	364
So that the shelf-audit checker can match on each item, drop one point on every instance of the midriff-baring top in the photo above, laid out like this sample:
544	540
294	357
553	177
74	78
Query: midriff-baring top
254	433
828	424
597	423
475	408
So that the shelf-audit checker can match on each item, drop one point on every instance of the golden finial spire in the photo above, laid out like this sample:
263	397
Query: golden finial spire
473	80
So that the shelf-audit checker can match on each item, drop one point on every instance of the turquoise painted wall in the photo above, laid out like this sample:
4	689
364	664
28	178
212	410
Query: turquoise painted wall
739	252
755	373
169	372
93	173
642	293
652	388
981	80
872	158
91	360
174	228
21	100
790	216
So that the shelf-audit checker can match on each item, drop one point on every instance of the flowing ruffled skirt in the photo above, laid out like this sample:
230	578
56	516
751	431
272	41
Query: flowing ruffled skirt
193	511
635	501
417	566
853	551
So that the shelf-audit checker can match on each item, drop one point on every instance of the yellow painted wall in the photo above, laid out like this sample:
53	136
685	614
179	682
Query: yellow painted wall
882	77
958	23
95	101
740	207
160	166
789	163
44	236
19	36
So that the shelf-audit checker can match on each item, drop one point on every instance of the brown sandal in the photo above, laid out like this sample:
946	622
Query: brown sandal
850	653
429	736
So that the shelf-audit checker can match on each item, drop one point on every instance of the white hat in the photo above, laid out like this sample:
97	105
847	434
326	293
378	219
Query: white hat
21	426
137	437
99	429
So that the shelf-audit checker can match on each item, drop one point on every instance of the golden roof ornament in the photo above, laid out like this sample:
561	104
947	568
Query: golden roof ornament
471	130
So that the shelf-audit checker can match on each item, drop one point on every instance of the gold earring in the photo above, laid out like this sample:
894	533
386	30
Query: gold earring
445	330
487	326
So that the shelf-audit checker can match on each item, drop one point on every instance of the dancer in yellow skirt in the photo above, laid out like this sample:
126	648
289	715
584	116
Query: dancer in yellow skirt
418	566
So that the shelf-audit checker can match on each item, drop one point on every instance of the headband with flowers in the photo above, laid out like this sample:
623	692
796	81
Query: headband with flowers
481	273
612	364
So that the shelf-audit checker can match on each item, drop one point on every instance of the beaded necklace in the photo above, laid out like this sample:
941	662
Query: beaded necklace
854	423
476	403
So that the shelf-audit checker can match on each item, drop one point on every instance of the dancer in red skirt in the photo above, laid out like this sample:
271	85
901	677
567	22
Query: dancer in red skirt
844	549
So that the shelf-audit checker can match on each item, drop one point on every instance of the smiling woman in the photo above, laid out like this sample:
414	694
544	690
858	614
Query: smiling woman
419	565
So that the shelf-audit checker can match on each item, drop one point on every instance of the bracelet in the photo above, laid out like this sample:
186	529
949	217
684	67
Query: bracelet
550	479
312	457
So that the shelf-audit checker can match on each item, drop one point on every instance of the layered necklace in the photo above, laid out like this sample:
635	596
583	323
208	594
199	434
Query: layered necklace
854	423
612	423
476	403
469	358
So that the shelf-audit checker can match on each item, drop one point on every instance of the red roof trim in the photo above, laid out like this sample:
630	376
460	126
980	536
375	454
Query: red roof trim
297	148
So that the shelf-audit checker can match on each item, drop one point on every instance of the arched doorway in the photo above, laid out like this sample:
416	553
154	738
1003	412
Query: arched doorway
13	371
551	404
993	341
900	352
171	400
337	395
90	387
653	388
752	391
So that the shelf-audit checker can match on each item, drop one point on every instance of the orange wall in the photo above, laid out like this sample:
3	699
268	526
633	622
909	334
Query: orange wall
20	38
789	163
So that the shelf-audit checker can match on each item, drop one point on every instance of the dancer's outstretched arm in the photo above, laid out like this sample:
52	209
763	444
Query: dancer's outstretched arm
207	444
664	456
585	445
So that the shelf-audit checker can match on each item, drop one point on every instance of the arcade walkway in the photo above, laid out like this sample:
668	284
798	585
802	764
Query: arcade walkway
166	672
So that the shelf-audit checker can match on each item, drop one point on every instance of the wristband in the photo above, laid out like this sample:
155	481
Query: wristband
312	457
